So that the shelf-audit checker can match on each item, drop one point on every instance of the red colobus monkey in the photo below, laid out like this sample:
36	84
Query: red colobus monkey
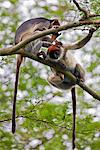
26	30
59	52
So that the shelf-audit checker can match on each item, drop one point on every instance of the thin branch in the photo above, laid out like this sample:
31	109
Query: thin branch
86	13
36	119
94	15
5	120
13	50
46	122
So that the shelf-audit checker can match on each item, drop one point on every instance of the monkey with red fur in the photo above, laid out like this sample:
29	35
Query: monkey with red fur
60	53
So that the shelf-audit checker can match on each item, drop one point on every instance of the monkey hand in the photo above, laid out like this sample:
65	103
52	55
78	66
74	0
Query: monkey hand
41	54
57	34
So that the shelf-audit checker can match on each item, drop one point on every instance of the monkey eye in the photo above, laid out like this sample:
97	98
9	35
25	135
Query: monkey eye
54	54
55	26
40	29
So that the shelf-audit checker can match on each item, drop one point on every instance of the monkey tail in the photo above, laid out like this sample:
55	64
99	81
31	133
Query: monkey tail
74	117
19	61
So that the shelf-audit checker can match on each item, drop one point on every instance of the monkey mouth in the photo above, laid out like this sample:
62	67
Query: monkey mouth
54	54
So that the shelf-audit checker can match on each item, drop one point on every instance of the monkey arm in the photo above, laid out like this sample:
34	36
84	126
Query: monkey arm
79	72
36	45
46	41
80	43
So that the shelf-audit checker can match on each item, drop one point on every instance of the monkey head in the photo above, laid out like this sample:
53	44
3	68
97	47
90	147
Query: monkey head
55	51
55	24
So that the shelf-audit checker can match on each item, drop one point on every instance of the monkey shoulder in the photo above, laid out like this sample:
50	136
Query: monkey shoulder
70	60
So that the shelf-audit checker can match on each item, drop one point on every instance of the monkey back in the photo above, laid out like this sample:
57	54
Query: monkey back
28	26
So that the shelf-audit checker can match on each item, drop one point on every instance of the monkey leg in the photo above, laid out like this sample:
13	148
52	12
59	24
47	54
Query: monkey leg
55	79
79	72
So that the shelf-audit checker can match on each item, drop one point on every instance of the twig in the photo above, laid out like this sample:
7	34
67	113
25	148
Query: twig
86	13
94	15
9	119
44	121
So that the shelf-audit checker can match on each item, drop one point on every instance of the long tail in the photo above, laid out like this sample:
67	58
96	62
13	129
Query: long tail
74	116
19	61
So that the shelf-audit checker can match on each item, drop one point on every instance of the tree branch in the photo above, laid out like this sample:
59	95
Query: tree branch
61	68
13	50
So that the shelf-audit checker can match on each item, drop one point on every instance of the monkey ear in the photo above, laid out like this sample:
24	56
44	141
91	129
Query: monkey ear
55	23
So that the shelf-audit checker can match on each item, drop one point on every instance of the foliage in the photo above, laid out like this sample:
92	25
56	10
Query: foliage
44	114
52	125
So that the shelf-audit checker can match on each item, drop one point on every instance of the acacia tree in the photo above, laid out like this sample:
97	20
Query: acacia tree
41	117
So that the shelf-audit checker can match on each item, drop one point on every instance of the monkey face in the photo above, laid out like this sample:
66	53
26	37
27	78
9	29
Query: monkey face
55	51
54	54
